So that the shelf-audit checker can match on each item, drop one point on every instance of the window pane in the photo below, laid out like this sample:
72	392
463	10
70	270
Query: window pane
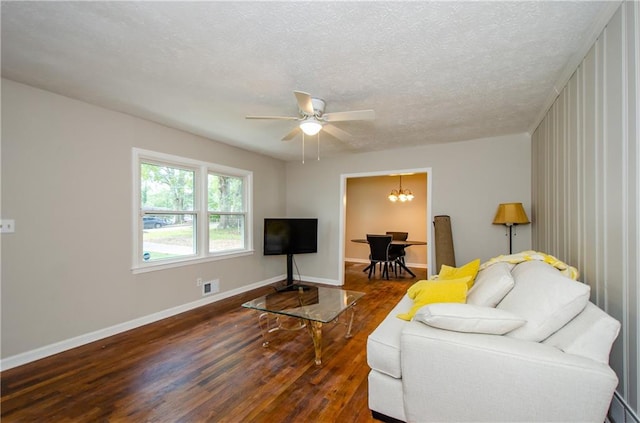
166	188
166	236
226	193
226	232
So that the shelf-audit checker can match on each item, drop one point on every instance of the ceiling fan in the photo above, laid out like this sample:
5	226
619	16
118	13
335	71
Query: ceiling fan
312	118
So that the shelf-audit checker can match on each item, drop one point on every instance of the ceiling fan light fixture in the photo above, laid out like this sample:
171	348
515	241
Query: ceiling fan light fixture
310	126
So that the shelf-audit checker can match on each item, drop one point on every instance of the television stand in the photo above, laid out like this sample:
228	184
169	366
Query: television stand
293	287
290	286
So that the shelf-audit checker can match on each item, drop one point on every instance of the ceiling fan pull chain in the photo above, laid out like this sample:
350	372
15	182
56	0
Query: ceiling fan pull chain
318	146
303	148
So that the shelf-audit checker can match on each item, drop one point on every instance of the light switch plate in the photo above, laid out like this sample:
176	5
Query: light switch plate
7	226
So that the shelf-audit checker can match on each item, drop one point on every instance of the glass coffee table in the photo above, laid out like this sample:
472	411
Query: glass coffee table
311	306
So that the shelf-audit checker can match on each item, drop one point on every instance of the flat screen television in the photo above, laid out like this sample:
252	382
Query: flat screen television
289	236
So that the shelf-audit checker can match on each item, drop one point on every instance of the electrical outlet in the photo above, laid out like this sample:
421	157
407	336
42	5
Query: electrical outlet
199	282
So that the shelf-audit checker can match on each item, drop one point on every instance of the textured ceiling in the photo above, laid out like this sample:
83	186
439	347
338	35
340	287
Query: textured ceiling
433	71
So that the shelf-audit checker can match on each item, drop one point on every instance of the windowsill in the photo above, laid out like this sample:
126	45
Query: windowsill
188	262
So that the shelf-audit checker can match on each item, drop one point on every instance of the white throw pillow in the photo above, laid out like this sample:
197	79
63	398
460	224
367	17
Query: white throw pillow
468	318
545	298
491	285
590	334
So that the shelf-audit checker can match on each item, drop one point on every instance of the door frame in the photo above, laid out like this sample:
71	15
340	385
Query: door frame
343	212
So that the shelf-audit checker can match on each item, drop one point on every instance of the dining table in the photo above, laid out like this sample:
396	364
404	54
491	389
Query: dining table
406	243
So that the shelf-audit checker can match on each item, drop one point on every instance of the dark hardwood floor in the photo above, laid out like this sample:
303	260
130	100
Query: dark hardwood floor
208	365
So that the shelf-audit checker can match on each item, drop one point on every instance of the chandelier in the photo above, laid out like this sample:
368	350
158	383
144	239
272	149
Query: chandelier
400	194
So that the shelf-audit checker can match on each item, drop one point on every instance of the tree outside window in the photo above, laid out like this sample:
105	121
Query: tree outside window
169	218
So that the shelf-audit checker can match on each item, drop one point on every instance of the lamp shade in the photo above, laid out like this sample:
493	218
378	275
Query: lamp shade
510	214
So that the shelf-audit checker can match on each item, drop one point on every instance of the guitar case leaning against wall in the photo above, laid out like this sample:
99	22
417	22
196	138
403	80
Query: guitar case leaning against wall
444	242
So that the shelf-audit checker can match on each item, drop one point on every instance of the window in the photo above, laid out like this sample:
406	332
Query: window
226	212
186	210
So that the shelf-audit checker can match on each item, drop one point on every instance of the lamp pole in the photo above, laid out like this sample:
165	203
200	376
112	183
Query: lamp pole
510	238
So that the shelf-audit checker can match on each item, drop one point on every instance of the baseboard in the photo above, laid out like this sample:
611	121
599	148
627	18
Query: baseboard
363	261
320	280
620	411
61	346
356	260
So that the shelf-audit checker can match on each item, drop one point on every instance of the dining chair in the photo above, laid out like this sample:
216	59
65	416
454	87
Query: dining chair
398	249
380	254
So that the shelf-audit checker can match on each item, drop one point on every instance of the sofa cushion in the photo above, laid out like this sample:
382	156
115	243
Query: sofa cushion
468	318
468	270
590	334
436	291
491	286
545	298
383	344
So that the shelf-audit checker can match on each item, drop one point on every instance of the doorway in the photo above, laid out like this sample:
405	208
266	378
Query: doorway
376	214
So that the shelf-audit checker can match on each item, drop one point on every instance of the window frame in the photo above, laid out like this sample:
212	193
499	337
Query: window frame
200	210
209	213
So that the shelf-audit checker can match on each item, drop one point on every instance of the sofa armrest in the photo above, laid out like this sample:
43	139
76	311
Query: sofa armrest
452	376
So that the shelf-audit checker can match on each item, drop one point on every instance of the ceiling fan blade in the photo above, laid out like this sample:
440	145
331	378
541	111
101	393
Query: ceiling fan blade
291	135
353	115
304	102
272	117
337	133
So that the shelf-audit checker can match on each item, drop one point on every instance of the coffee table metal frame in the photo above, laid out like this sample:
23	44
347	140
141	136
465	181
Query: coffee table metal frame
323	305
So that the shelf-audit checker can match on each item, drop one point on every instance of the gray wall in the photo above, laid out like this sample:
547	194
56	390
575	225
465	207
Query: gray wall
469	180
586	185
66	180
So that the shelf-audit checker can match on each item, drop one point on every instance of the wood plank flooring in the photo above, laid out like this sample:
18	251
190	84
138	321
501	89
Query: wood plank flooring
208	365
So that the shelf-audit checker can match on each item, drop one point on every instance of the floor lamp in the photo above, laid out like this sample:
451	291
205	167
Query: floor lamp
510	214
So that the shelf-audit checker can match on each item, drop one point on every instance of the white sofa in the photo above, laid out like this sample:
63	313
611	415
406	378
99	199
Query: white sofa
553	367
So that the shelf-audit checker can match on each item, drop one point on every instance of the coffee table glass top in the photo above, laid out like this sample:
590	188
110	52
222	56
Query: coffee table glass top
315	303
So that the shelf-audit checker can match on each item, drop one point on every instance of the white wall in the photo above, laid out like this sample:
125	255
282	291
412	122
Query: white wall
66	180
469	180
586	192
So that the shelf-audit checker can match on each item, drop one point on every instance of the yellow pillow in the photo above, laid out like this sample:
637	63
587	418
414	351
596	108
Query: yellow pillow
469	269
429	292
